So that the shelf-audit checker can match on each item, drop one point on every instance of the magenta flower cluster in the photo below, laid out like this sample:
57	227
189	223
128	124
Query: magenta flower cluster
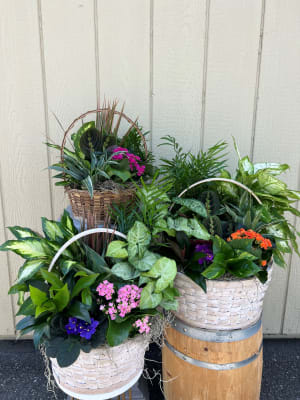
143	325
128	299
133	160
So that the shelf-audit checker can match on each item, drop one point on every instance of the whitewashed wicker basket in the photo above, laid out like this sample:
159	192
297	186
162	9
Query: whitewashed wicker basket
228	304
105	372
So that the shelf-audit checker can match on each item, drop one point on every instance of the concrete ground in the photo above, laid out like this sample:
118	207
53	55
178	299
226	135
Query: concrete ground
22	372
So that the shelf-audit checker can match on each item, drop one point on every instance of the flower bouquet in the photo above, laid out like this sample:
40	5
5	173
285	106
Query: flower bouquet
92	311
98	169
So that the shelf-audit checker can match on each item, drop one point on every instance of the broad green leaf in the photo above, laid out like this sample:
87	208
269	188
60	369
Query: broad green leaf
283	246
145	263
38	297
216	269
22	233
83	283
124	175
272	168
87	182
52	278
246	166
86	297
244	268
149	299
117	333
40	331
125	271
62	298
270	184
139	238
191	227
241	244
143	280
192	204
53	346
30	268
117	249
67	265
48	306
221	246
25	323
18	287
67	222
27	248
95	262
161	225
52	230
68	352
80	311
169	304
27	308
170	292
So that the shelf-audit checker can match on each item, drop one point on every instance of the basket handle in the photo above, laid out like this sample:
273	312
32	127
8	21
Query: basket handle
80	235
221	180
130	121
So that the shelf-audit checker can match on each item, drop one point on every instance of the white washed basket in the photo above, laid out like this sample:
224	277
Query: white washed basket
227	305
107	371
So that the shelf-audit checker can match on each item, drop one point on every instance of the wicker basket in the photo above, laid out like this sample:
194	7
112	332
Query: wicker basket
106	371
83	206
228	304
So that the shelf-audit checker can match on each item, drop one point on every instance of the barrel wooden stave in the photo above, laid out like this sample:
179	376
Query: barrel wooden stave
185	381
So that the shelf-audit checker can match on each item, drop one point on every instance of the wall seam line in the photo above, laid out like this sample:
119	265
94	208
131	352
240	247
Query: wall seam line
204	73
151	94
97	53
45	99
257	80
289	266
7	256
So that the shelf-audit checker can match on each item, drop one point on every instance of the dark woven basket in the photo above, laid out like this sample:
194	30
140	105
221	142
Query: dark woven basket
83	206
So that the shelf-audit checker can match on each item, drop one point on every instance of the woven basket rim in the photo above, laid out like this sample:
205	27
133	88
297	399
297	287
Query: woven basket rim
98	192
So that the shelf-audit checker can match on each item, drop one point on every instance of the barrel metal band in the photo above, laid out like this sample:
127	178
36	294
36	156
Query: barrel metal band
216	336
217	367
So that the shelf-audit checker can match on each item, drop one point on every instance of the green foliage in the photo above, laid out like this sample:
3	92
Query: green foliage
184	169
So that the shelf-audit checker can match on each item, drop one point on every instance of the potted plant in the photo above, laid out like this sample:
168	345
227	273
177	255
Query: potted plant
98	169
92	311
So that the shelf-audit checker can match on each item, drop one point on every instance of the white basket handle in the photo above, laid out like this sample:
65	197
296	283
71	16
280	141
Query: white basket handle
222	180
80	235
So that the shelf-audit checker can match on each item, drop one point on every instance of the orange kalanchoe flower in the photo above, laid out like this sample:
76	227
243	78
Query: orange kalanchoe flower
250	234
263	263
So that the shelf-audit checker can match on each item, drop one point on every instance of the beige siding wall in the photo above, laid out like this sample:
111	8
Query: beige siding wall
200	70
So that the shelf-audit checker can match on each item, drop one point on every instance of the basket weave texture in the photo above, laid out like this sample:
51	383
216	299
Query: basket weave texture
104	369
227	305
98	207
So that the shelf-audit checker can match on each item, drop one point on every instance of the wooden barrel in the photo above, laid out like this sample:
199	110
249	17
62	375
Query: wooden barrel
201	364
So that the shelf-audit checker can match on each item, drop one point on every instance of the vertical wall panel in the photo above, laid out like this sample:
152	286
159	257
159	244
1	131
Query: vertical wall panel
124	37
25	186
277	135
179	32
231	73
69	51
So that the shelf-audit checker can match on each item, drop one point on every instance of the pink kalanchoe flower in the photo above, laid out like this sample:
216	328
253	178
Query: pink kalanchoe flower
143	325
106	289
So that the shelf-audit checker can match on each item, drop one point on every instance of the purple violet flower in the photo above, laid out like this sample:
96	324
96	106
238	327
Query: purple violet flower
207	250
82	328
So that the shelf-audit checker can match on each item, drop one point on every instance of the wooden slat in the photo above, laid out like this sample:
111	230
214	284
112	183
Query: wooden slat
124	55
178	51
277	135
25	186
69	53
231	73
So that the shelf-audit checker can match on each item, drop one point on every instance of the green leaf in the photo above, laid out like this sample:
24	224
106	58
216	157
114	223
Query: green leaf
27	248
87	182
47	307
125	271
123	175
149	299
145	263
244	268
30	268
270	184
117	333
67	222
25	323
62	298
170	292
272	168
77	136
144	279
27	308
169	304
18	287
52	230
246	166
83	283
241	244
191	227
38	297
221	246
40	331
96	262
164	269
86	297
52	278
161	226
262	276
192	204
68	353
117	249
139	238
216	269
22	233
53	346
80	311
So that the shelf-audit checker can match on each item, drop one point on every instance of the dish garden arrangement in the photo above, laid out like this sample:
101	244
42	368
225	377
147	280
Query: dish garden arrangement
91	310
99	166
